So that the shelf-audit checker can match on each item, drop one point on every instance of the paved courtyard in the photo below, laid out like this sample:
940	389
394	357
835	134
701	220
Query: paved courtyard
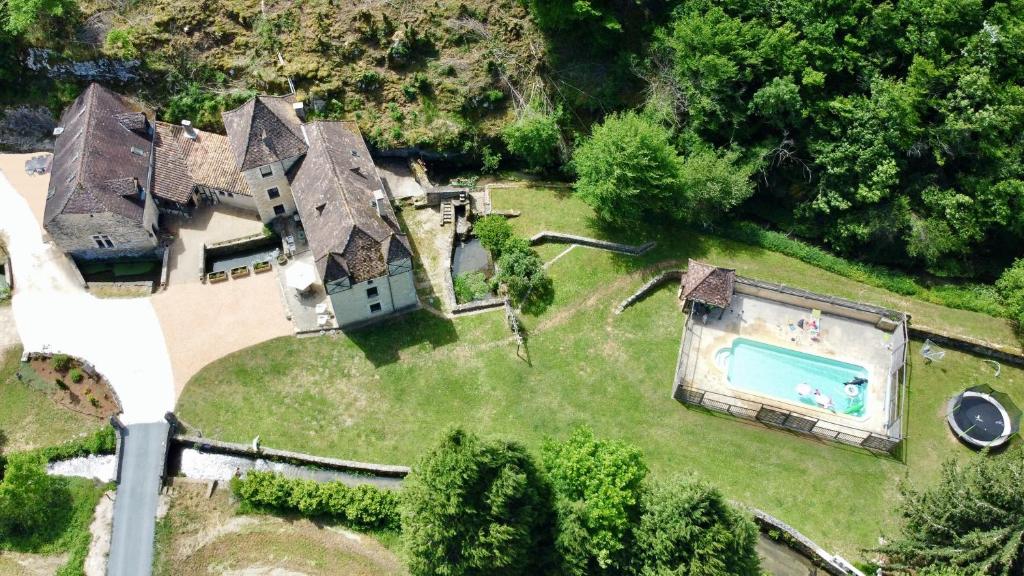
148	348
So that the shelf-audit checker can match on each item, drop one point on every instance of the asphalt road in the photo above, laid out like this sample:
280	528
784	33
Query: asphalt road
144	448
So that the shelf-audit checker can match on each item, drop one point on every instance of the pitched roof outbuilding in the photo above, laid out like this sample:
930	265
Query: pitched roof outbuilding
707	284
351	227
264	130
101	159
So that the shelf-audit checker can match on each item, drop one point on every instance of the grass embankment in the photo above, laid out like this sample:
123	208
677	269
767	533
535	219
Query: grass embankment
386	393
547	209
200	536
29	419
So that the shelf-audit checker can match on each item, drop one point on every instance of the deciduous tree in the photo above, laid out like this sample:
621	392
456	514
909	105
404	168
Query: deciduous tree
599	485
688	529
476	507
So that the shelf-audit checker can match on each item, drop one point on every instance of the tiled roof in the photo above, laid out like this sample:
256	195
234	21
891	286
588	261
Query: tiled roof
264	130
336	191
182	163
99	163
708	284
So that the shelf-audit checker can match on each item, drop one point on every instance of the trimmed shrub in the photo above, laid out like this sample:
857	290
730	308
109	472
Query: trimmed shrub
469	287
29	498
493	231
1011	288
61	362
76	375
363	507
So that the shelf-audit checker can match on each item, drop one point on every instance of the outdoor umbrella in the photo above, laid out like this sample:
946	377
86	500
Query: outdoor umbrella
300	276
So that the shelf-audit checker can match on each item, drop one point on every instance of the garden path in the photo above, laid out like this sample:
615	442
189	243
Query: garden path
121	338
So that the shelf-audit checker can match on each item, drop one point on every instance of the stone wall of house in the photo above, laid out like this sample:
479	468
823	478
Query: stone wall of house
394	293
259	185
73	234
403	289
239	201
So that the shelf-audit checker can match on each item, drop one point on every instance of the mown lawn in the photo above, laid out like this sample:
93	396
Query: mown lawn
385	394
30	419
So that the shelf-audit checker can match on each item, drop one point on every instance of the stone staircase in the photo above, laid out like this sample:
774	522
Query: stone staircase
447	212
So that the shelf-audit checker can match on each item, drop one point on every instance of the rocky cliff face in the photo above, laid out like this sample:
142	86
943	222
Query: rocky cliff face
26	129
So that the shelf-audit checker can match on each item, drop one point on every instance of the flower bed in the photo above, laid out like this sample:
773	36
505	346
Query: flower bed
215	277
70	383
240	272
261	267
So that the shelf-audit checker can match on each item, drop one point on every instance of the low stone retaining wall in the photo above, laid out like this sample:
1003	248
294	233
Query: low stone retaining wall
967	345
477	305
835	565
216	446
558	237
651	285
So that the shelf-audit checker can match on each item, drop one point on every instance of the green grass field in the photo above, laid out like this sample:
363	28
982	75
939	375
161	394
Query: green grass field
385	394
29	419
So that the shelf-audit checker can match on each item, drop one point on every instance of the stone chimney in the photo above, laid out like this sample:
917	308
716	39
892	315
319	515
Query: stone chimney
190	133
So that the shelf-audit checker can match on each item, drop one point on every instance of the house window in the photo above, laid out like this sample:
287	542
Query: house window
266	171
102	241
372	292
273	193
279	209
375	307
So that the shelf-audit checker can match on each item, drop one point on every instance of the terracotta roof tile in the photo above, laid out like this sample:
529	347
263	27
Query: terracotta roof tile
336	190
264	130
97	158
707	284
182	163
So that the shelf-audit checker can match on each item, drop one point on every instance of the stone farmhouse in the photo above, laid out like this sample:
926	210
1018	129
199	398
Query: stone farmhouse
117	172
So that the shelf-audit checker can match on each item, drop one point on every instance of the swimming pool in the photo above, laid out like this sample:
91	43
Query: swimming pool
795	377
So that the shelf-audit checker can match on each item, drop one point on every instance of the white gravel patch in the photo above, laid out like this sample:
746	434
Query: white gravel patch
102	468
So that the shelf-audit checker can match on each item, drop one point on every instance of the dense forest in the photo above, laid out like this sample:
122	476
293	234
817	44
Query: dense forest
886	131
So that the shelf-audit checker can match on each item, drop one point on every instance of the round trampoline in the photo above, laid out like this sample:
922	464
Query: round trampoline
982	417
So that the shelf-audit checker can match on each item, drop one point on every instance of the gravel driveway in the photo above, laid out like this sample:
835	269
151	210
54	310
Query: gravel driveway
121	338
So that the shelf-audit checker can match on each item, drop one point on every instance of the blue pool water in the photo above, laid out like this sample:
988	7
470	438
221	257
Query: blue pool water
781	374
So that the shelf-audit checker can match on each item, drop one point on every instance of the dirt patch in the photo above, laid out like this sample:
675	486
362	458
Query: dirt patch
205	536
101	528
15	564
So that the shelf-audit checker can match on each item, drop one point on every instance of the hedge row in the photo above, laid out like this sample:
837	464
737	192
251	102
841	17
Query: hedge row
102	441
973	297
364	507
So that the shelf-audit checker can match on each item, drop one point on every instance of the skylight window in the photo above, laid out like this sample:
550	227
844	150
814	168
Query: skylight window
138	151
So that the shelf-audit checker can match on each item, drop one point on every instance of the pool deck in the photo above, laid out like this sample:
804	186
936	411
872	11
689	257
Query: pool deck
767	321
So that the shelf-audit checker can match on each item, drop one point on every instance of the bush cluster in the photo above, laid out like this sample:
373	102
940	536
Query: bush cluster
363	507
471	286
976	298
61	362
